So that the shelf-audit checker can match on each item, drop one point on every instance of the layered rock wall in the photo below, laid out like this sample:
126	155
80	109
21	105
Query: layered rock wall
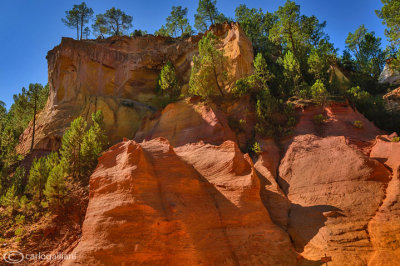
118	75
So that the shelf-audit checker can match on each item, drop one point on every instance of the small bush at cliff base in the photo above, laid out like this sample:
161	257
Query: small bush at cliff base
319	93
396	139
319	119
358	124
256	148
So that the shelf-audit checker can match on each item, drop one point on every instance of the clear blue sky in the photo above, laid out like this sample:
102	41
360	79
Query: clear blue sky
30	28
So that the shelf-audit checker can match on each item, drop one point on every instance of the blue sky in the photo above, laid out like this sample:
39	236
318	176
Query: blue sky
30	28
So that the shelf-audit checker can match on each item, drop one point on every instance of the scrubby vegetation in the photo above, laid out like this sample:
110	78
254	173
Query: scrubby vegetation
209	73
45	188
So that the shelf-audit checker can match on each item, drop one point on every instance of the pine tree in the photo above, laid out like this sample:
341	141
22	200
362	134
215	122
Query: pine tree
207	14
19	180
178	21
292	71
71	148
319	93
10	199
93	144
390	15
33	95
208	73
163	31
55	189
114	22
168	81
77	17
39	173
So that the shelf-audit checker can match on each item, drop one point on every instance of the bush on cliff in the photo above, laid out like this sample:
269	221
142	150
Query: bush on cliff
208	74
168	82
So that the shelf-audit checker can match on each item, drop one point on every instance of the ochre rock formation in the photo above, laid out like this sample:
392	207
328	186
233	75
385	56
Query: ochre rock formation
389	75
187	121
325	190
183	192
118	75
392	100
198	204
384	228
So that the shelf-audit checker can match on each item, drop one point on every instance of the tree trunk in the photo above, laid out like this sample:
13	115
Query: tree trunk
215	74
81	26
211	17
34	124
77	29
79	162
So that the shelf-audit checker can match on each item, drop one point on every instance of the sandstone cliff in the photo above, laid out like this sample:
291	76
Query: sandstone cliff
329	189
184	192
118	76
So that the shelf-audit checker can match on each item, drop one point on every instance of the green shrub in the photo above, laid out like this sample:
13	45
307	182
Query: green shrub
256	148
319	119
319	92
19	219
396	139
241	87
19	231
168	82
358	124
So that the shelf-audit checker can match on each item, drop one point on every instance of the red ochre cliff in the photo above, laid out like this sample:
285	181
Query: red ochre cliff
180	191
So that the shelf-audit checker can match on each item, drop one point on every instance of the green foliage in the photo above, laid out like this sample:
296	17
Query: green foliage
19	219
373	108
319	92
256	148
138	33
321	58
207	14
39	173
94	142
358	124
255	83
177	22
163	31
292	72
77	18
366	49
14	122
168	81
19	231
71	147
55	189
81	147
241	87
319	119
257	25
10	200
86	32
19	180
208	73
390	14
113	22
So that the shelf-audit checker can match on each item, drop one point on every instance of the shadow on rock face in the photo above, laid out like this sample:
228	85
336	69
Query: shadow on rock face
305	222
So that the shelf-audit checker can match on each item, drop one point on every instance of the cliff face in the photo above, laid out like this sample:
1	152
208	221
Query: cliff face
194	205
389	75
118	76
183	192
194	198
